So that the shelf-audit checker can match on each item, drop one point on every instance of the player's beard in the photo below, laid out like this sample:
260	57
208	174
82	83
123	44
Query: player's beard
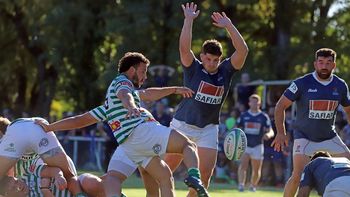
324	73
135	80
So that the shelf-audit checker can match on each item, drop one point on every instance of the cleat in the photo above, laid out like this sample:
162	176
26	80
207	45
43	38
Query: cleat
197	185
240	188
252	189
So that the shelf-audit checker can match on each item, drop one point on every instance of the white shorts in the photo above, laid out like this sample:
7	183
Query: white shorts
206	137
256	152
338	187
120	162
24	137
147	140
307	147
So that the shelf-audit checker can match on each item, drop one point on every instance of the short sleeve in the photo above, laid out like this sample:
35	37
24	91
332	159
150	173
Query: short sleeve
99	113
345	101
293	91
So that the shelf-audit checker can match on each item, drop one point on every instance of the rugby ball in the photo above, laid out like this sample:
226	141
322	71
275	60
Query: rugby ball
235	144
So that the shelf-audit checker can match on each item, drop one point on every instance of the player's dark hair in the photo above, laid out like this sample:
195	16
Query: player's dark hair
320	154
4	122
326	52
131	59
213	47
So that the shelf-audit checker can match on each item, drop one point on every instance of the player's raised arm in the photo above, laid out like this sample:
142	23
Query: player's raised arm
153	94
186	54
239	56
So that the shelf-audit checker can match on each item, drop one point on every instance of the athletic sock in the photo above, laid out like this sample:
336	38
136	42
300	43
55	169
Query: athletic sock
194	172
80	195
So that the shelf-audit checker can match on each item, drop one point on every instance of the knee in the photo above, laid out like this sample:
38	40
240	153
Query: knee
166	178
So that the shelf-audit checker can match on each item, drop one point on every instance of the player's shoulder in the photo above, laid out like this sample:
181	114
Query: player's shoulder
264	114
304	79
336	78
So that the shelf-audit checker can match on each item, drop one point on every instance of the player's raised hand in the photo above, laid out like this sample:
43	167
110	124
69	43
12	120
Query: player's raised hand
190	10
185	92
43	124
280	142
221	20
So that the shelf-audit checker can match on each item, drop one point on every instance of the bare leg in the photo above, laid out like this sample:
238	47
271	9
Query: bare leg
242	169
256	171
159	170
180	144
112	183
151	185
207	161
57	158
291	187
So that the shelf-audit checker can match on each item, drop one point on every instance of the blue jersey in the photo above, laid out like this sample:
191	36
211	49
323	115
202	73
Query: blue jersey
210	93
317	104
254	126
321	171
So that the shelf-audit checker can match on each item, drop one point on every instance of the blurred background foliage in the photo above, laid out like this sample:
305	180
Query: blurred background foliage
61	54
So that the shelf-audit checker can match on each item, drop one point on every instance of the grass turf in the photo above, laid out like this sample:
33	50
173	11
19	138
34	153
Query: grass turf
133	187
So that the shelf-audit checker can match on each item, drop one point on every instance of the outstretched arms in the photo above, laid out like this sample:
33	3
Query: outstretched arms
75	122
239	56
186	54
153	94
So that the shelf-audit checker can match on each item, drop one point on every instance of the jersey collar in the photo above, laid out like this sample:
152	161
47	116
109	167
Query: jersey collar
322	82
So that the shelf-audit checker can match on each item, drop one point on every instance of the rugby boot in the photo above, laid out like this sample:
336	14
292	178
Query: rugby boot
197	185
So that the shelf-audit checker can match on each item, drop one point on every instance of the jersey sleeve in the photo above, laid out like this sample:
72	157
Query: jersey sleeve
267	123
293	91
307	177
123	85
99	113
189	71
228	67
345	101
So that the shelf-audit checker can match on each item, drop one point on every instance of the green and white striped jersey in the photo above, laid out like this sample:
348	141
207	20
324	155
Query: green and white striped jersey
33	181
28	163
114	112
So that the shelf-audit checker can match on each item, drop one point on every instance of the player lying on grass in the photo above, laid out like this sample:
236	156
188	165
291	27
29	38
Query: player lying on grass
23	137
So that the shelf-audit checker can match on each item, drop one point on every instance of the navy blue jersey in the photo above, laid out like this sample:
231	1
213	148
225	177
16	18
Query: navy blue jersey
317	104
210	92
254	126
319	172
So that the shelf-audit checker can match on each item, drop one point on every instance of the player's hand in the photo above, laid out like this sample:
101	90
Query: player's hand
190	10
185	92
133	112
280	142
43	124
60	182
221	20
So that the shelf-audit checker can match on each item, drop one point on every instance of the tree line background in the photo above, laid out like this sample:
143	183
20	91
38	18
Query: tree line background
60	54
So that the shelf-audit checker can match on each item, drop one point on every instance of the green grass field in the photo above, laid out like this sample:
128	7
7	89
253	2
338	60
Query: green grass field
133	187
